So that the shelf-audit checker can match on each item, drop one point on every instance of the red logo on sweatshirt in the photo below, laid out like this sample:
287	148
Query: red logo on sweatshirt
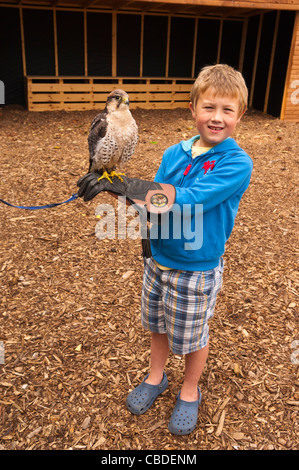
208	165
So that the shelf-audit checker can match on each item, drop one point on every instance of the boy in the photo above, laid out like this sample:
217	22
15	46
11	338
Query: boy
180	286
208	173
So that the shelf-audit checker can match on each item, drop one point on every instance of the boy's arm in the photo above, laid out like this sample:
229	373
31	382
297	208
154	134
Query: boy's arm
153	196
223	181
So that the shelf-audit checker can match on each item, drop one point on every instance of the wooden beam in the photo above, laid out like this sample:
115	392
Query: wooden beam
85	44
194	47
141	45
243	45
55	42
270	5
154	5
256	55
271	61
89	3
219	41
23	42
101	77
289	110
207	13
114	43
168	46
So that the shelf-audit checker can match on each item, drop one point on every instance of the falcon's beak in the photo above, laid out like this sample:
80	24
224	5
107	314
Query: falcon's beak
125	100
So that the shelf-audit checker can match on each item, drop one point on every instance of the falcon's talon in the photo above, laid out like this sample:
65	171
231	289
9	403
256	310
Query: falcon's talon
105	175
113	173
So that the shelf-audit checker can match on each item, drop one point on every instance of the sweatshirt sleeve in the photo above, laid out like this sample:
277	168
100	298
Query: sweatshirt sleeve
161	170
226	178
160	173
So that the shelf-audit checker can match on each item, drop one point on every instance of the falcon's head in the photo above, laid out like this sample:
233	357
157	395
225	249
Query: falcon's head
117	100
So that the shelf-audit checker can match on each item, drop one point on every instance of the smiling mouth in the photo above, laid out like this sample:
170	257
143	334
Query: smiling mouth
214	128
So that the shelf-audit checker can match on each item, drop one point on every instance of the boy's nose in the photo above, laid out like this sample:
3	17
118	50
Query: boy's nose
217	115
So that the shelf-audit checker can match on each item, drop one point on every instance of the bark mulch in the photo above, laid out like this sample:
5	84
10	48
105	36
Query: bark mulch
70	302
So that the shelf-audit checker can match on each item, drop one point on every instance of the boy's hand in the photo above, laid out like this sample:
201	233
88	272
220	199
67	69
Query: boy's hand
157	197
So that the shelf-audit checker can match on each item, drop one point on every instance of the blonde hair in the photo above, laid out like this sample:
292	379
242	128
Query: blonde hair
224	81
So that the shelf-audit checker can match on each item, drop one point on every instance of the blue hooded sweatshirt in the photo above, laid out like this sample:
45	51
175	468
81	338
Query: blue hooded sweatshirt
208	188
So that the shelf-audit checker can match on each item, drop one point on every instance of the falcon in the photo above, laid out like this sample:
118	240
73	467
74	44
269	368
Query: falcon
113	136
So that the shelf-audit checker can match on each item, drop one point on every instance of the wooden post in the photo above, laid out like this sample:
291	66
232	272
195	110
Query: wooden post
219	41
55	43
243	45
271	61
114	44
85	44
194	47
141	45
290	102
23	42
168	46
257	48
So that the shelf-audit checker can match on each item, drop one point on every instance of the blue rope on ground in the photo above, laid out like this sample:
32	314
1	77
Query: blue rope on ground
47	206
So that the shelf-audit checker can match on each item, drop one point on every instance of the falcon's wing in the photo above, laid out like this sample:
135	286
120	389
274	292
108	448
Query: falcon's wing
97	131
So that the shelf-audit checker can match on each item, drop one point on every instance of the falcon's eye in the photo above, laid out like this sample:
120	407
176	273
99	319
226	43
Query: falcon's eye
117	97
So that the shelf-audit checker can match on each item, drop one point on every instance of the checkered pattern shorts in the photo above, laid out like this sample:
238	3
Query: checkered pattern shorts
180	303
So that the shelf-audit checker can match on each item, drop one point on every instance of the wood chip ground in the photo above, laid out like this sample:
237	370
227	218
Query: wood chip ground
70	303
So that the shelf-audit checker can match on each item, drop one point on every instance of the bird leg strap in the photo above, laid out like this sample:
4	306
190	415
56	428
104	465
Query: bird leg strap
154	197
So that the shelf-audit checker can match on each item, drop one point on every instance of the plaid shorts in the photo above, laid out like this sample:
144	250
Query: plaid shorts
180	303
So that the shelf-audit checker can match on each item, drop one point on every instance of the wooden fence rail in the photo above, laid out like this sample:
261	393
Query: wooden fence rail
84	93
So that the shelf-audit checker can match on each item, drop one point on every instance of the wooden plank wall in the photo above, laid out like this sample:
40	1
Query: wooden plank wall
290	105
84	93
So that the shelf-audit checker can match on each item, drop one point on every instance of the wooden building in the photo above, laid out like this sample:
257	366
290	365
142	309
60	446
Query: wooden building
68	54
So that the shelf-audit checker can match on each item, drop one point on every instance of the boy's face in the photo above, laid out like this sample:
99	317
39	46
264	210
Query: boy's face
216	117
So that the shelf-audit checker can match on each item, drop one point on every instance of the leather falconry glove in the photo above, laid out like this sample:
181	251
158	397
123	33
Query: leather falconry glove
154	197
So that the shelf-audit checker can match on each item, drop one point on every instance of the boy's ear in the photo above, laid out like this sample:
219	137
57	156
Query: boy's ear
192	110
241	115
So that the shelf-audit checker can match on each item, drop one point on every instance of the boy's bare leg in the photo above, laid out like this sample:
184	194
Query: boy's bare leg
159	354
194	365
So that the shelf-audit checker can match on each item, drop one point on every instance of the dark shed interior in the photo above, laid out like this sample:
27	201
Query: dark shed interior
258	45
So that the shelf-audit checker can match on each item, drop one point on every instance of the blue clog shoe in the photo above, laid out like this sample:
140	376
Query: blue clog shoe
144	395
184	416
